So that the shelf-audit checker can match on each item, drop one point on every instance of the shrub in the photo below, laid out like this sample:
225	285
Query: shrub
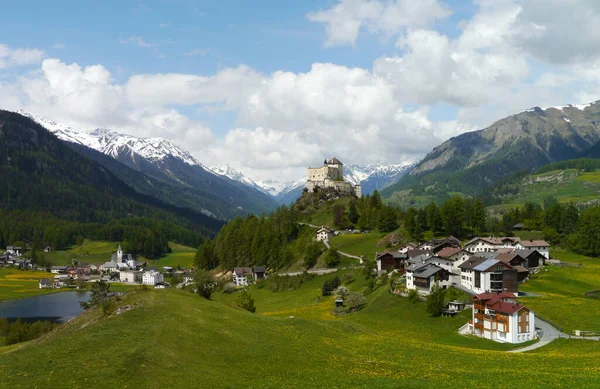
413	296
245	301
435	300
341	293
229	288
332	258
355	300
205	283
326	290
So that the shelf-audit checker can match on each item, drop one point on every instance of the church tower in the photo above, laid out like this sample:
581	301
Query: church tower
119	254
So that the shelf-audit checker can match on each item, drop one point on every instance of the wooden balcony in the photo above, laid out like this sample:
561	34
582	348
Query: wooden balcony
478	326
478	316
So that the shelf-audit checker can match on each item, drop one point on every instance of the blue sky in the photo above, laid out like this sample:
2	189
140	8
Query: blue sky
257	77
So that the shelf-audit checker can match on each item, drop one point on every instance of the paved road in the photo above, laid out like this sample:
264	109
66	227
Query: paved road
326	242
318	272
547	334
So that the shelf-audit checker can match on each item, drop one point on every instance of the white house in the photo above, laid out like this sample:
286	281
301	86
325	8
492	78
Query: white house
458	256
324	233
109	267
152	277
486	245
58	269
541	246
481	275
498	317
45	283
422	277
130	276
241	275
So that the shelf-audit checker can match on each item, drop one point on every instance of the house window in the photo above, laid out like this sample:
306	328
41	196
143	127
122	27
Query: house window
477	279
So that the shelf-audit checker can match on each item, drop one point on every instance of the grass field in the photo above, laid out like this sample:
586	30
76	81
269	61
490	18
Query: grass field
16	284
358	244
176	339
562	289
99	252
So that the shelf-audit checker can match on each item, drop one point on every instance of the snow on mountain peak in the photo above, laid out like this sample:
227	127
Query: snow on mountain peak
113	143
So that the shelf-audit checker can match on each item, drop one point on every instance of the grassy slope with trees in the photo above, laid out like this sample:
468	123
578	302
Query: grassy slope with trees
378	346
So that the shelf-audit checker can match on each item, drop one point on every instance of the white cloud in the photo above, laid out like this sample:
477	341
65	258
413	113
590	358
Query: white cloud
135	40
344	21
196	52
10	57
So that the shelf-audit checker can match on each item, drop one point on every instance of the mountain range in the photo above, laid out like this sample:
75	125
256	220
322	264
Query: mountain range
473	162
167	172
371	177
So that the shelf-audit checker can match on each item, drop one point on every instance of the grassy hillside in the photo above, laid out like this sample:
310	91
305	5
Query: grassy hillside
565	185
99	252
358	244
176	339
16	284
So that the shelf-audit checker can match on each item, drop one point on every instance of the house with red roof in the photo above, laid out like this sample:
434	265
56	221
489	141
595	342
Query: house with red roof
499	317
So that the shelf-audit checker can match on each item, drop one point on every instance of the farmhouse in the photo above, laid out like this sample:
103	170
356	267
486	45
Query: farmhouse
540	246
130	276
498	316
45	283
241	276
422	277
58	269
458	256
324	233
482	275
152	277
259	273
390	260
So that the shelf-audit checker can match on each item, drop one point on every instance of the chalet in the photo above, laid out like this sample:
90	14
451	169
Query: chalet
109	267
482	245
390	260
130	276
422	277
59	269
453	307
152	278
241	276
534	258
324	233
458	256
482	275
14	250
540	246
518	227
45	283
410	246
498	316
47	249
61	280
516	262
259	273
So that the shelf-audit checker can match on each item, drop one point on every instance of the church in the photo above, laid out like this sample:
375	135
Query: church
331	175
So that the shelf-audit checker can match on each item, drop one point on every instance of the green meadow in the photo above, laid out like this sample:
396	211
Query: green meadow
358	244
176	339
15	284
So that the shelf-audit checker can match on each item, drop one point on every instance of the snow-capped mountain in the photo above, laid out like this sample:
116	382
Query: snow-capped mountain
371	177
114	144
188	182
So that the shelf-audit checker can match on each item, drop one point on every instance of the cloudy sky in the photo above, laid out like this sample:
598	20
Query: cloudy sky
271	87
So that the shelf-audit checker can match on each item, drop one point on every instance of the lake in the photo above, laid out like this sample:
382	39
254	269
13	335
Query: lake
56	307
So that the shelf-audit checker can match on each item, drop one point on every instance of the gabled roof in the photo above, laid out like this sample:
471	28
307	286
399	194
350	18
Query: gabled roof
259	269
427	270
507	257
416	253
471	263
334	160
449	251
394	254
241	271
324	228
534	243
485	265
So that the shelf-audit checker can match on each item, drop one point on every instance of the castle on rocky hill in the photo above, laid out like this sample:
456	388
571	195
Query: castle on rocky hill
331	175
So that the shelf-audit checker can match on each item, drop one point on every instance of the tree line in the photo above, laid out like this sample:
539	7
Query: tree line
19	331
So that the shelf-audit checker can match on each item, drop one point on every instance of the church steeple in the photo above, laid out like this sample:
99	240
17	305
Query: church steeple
119	254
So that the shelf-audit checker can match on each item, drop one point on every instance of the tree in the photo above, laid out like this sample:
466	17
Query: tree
311	255
205	283
341	293
245	301
353	213
435	299
100	294
369	268
388	220
327	288
332	258
206	256
453	214
355	300
434	218
339	216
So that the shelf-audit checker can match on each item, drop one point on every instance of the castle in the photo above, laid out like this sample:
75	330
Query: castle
330	175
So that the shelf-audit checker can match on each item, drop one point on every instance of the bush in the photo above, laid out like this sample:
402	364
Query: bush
332	258
245	301
229	288
205	283
435	300
341	293
413	296
355	300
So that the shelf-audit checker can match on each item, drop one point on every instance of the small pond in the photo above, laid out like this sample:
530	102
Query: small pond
56	307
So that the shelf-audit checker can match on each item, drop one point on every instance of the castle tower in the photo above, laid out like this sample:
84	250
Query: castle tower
336	168
119	254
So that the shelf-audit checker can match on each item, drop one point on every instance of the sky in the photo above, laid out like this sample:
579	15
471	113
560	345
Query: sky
272	87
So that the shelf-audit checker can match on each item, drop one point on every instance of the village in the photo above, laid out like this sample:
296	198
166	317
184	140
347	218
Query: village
122	268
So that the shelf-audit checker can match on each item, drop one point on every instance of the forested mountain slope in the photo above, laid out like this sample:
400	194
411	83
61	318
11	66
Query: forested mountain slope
472	162
40	173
